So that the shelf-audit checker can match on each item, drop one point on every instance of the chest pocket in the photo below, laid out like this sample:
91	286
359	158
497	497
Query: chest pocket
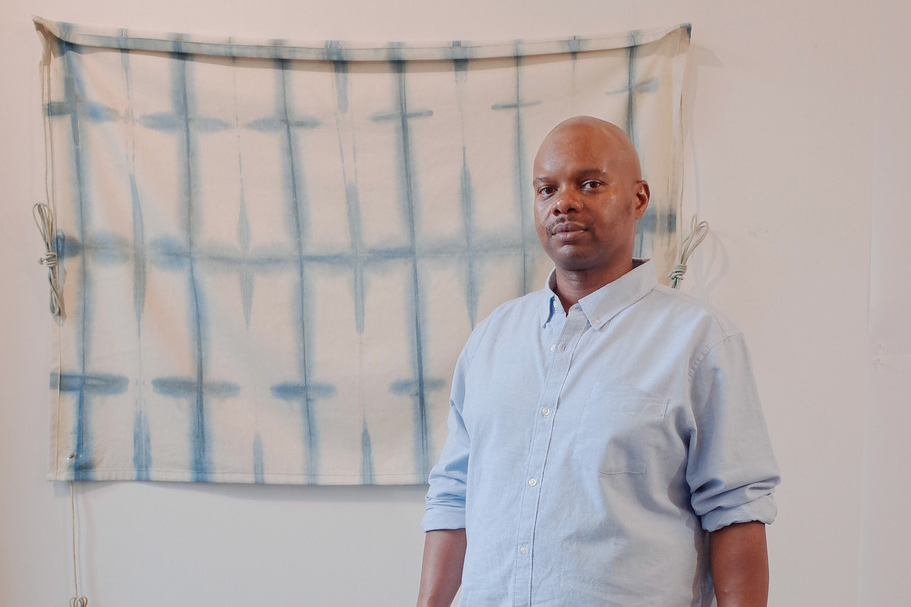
618	429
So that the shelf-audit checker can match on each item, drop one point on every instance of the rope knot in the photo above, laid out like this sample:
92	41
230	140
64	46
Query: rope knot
698	232
49	260
44	219
677	273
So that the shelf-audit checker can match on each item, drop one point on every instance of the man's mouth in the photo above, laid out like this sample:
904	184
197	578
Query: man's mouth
566	228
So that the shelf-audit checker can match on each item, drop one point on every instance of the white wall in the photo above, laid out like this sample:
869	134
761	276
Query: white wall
886	533
793	157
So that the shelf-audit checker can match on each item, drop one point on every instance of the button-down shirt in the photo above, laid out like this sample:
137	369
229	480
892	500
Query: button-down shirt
590	452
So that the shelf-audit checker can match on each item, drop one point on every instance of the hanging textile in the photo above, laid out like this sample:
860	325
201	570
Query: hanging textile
271	254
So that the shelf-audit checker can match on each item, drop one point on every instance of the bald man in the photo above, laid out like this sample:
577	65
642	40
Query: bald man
606	445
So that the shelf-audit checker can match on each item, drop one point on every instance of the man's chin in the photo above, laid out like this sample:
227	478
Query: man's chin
575	261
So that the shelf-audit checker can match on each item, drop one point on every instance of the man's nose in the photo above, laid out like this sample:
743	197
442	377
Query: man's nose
566	201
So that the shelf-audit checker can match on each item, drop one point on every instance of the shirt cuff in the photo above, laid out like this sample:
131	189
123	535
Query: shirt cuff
762	509
443	517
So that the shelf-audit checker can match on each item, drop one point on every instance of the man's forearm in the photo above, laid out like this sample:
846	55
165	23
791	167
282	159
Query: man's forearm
441	571
740	565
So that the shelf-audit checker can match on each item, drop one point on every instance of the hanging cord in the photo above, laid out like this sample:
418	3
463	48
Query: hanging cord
698	232
44	219
76	601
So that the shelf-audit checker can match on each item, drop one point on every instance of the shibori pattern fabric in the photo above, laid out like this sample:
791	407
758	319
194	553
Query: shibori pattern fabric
272	253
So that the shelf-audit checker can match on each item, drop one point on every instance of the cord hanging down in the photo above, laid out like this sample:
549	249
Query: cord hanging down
698	231
44	219
76	601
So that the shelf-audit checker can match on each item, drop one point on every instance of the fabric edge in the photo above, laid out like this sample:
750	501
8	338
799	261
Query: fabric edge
244	478
338	50
675	179
46	33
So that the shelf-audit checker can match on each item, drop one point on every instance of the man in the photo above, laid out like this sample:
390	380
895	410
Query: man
606	445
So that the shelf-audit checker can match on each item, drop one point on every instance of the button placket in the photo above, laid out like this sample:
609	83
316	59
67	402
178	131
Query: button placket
559	364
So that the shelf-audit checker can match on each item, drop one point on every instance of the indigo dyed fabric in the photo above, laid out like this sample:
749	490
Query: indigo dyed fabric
272	254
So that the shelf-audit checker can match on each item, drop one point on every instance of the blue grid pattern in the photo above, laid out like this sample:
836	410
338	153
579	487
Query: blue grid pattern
255	245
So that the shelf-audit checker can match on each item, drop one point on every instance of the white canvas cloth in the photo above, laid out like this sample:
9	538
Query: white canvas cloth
273	253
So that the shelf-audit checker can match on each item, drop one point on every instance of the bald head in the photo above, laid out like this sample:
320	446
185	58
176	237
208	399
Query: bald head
612	138
589	194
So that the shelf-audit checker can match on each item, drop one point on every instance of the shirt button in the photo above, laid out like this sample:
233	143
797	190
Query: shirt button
553	348
523	549
545	411
532	482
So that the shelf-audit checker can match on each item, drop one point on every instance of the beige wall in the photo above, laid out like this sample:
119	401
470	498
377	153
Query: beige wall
885	527
797	146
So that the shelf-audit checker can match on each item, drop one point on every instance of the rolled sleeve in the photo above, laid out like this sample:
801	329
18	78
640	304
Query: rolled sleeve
731	469
445	507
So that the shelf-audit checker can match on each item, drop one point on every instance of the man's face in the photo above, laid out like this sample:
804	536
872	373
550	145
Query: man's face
588	197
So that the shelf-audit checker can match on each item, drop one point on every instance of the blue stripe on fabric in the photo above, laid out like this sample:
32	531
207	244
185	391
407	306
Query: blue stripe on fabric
353	208
281	124
181	387
259	476
573	46
142	446
246	272
341	85
643	86
292	391
352	196
109	249
465	194
139	257
181	101
167	252
74	90
98	113
630	87
106	384
298	208
408	187
460	70
406	387
523	197
56	108
367	472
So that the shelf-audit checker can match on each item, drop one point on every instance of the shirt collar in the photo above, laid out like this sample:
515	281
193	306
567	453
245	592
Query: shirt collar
608	301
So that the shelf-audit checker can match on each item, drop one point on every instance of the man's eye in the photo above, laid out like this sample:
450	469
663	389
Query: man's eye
545	190
590	185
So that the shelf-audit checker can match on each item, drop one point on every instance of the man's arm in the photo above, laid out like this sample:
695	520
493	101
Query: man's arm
441	571
740	565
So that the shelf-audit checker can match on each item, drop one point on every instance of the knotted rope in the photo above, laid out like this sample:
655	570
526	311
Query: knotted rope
698	232
44	219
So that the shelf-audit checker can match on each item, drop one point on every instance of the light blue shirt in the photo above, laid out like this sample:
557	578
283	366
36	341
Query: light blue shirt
589	453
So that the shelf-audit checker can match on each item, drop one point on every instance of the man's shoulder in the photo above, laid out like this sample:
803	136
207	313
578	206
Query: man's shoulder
518	313
529	304
690	311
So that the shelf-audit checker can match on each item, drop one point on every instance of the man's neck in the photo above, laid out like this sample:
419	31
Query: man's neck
573	285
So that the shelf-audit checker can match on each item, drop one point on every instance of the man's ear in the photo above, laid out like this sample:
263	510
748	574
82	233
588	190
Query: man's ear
642	197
